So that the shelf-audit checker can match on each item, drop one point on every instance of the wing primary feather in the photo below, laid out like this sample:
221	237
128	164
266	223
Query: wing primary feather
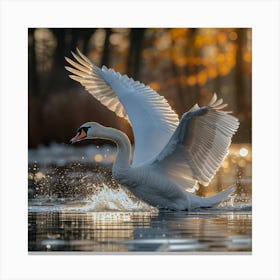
78	66
81	61
213	99
76	78
84	57
76	72
217	103
222	106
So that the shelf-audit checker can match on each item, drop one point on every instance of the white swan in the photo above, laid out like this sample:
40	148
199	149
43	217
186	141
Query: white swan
170	157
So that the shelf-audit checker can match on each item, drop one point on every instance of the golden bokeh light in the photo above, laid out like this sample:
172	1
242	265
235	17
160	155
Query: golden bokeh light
243	152
233	36
98	157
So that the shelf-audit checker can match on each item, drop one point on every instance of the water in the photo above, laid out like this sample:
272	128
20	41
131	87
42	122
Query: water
75	205
140	232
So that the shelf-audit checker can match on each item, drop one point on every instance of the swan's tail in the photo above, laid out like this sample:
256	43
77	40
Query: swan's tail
201	202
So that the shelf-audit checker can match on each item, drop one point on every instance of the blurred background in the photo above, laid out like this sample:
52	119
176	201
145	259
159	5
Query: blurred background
186	65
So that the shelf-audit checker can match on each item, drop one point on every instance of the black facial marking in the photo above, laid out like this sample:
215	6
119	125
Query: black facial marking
84	128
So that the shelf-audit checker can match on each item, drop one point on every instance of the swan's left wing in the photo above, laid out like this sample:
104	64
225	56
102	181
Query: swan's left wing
198	146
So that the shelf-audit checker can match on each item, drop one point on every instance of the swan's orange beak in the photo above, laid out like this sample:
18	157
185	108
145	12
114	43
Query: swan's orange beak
78	137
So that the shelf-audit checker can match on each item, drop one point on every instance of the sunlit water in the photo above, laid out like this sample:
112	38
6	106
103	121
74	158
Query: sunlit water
75	205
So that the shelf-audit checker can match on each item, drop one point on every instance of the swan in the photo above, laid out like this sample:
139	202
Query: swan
170	157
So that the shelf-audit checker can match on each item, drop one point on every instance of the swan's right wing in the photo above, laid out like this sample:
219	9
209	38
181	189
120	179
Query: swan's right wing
153	121
198	146
85	73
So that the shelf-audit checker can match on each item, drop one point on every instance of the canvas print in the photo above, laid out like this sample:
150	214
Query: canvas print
139	140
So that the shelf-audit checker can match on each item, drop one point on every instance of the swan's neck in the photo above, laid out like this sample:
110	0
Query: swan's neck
122	161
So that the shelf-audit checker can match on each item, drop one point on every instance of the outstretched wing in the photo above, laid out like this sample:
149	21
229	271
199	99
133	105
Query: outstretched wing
199	145
153	121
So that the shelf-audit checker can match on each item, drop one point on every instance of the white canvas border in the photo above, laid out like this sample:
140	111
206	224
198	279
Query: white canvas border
17	16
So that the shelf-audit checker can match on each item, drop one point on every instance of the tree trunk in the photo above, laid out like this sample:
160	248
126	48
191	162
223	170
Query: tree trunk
242	100
239	73
32	65
105	56
134	54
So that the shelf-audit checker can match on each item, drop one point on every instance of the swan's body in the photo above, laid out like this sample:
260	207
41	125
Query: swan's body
170	157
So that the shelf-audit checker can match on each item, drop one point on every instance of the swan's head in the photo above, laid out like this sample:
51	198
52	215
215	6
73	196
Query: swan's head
89	130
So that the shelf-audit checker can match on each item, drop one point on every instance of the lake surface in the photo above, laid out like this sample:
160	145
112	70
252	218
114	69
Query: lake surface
76	206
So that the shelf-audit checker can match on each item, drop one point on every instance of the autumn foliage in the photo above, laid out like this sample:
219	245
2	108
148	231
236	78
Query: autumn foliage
186	65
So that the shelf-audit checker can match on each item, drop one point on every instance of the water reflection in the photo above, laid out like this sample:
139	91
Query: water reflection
99	231
142	232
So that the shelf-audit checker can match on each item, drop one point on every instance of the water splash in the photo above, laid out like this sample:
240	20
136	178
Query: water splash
75	188
109	199
62	177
